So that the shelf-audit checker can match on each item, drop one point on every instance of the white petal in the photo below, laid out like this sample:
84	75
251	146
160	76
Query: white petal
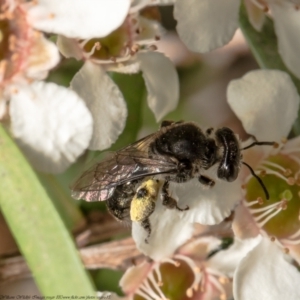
266	102
162	82
204	25
265	274
43	56
287	27
207	206
170	229
78	19
69	47
105	102
226	261
51	124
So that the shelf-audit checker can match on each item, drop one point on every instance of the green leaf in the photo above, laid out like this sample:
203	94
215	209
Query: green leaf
40	233
264	48
66	206
134	90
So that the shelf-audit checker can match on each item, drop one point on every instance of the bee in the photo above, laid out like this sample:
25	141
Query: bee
129	180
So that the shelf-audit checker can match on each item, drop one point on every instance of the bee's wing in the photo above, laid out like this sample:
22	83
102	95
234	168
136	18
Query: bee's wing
130	163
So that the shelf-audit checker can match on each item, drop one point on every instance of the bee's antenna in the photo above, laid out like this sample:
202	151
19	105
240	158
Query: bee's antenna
256	143
258	179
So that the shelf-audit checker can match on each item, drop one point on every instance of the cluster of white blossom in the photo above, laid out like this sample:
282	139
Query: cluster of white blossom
54	125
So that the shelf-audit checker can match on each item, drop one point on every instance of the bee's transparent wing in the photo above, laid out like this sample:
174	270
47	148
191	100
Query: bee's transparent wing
130	163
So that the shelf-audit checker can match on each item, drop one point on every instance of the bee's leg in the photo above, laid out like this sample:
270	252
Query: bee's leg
206	181
147	226
167	200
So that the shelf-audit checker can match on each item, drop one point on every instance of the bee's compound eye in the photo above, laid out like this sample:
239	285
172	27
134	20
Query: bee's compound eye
142	193
228	172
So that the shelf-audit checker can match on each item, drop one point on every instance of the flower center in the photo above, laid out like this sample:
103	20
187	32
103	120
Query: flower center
13	41
278	216
109	47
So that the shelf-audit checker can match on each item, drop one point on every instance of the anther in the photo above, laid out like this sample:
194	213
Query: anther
223	280
135	48
287	172
189	293
282	204
160	283
223	297
291	180
98	46
262	173
284	140
157	38
286	250
260	200
272	239
152	48
52	16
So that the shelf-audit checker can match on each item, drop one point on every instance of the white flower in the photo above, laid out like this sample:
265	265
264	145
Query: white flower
128	49
204	25
267	103
39	112
80	19
186	275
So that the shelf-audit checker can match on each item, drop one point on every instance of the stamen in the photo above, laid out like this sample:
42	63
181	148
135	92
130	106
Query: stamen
272	172
145	287
294	239
172	261
198	274
277	211
145	293
155	285
124	58
95	47
268	207
274	165
217	284
296	235
259	201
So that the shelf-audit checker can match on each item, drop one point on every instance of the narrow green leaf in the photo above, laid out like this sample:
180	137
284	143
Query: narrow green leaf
40	233
133	89
66	206
264	48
